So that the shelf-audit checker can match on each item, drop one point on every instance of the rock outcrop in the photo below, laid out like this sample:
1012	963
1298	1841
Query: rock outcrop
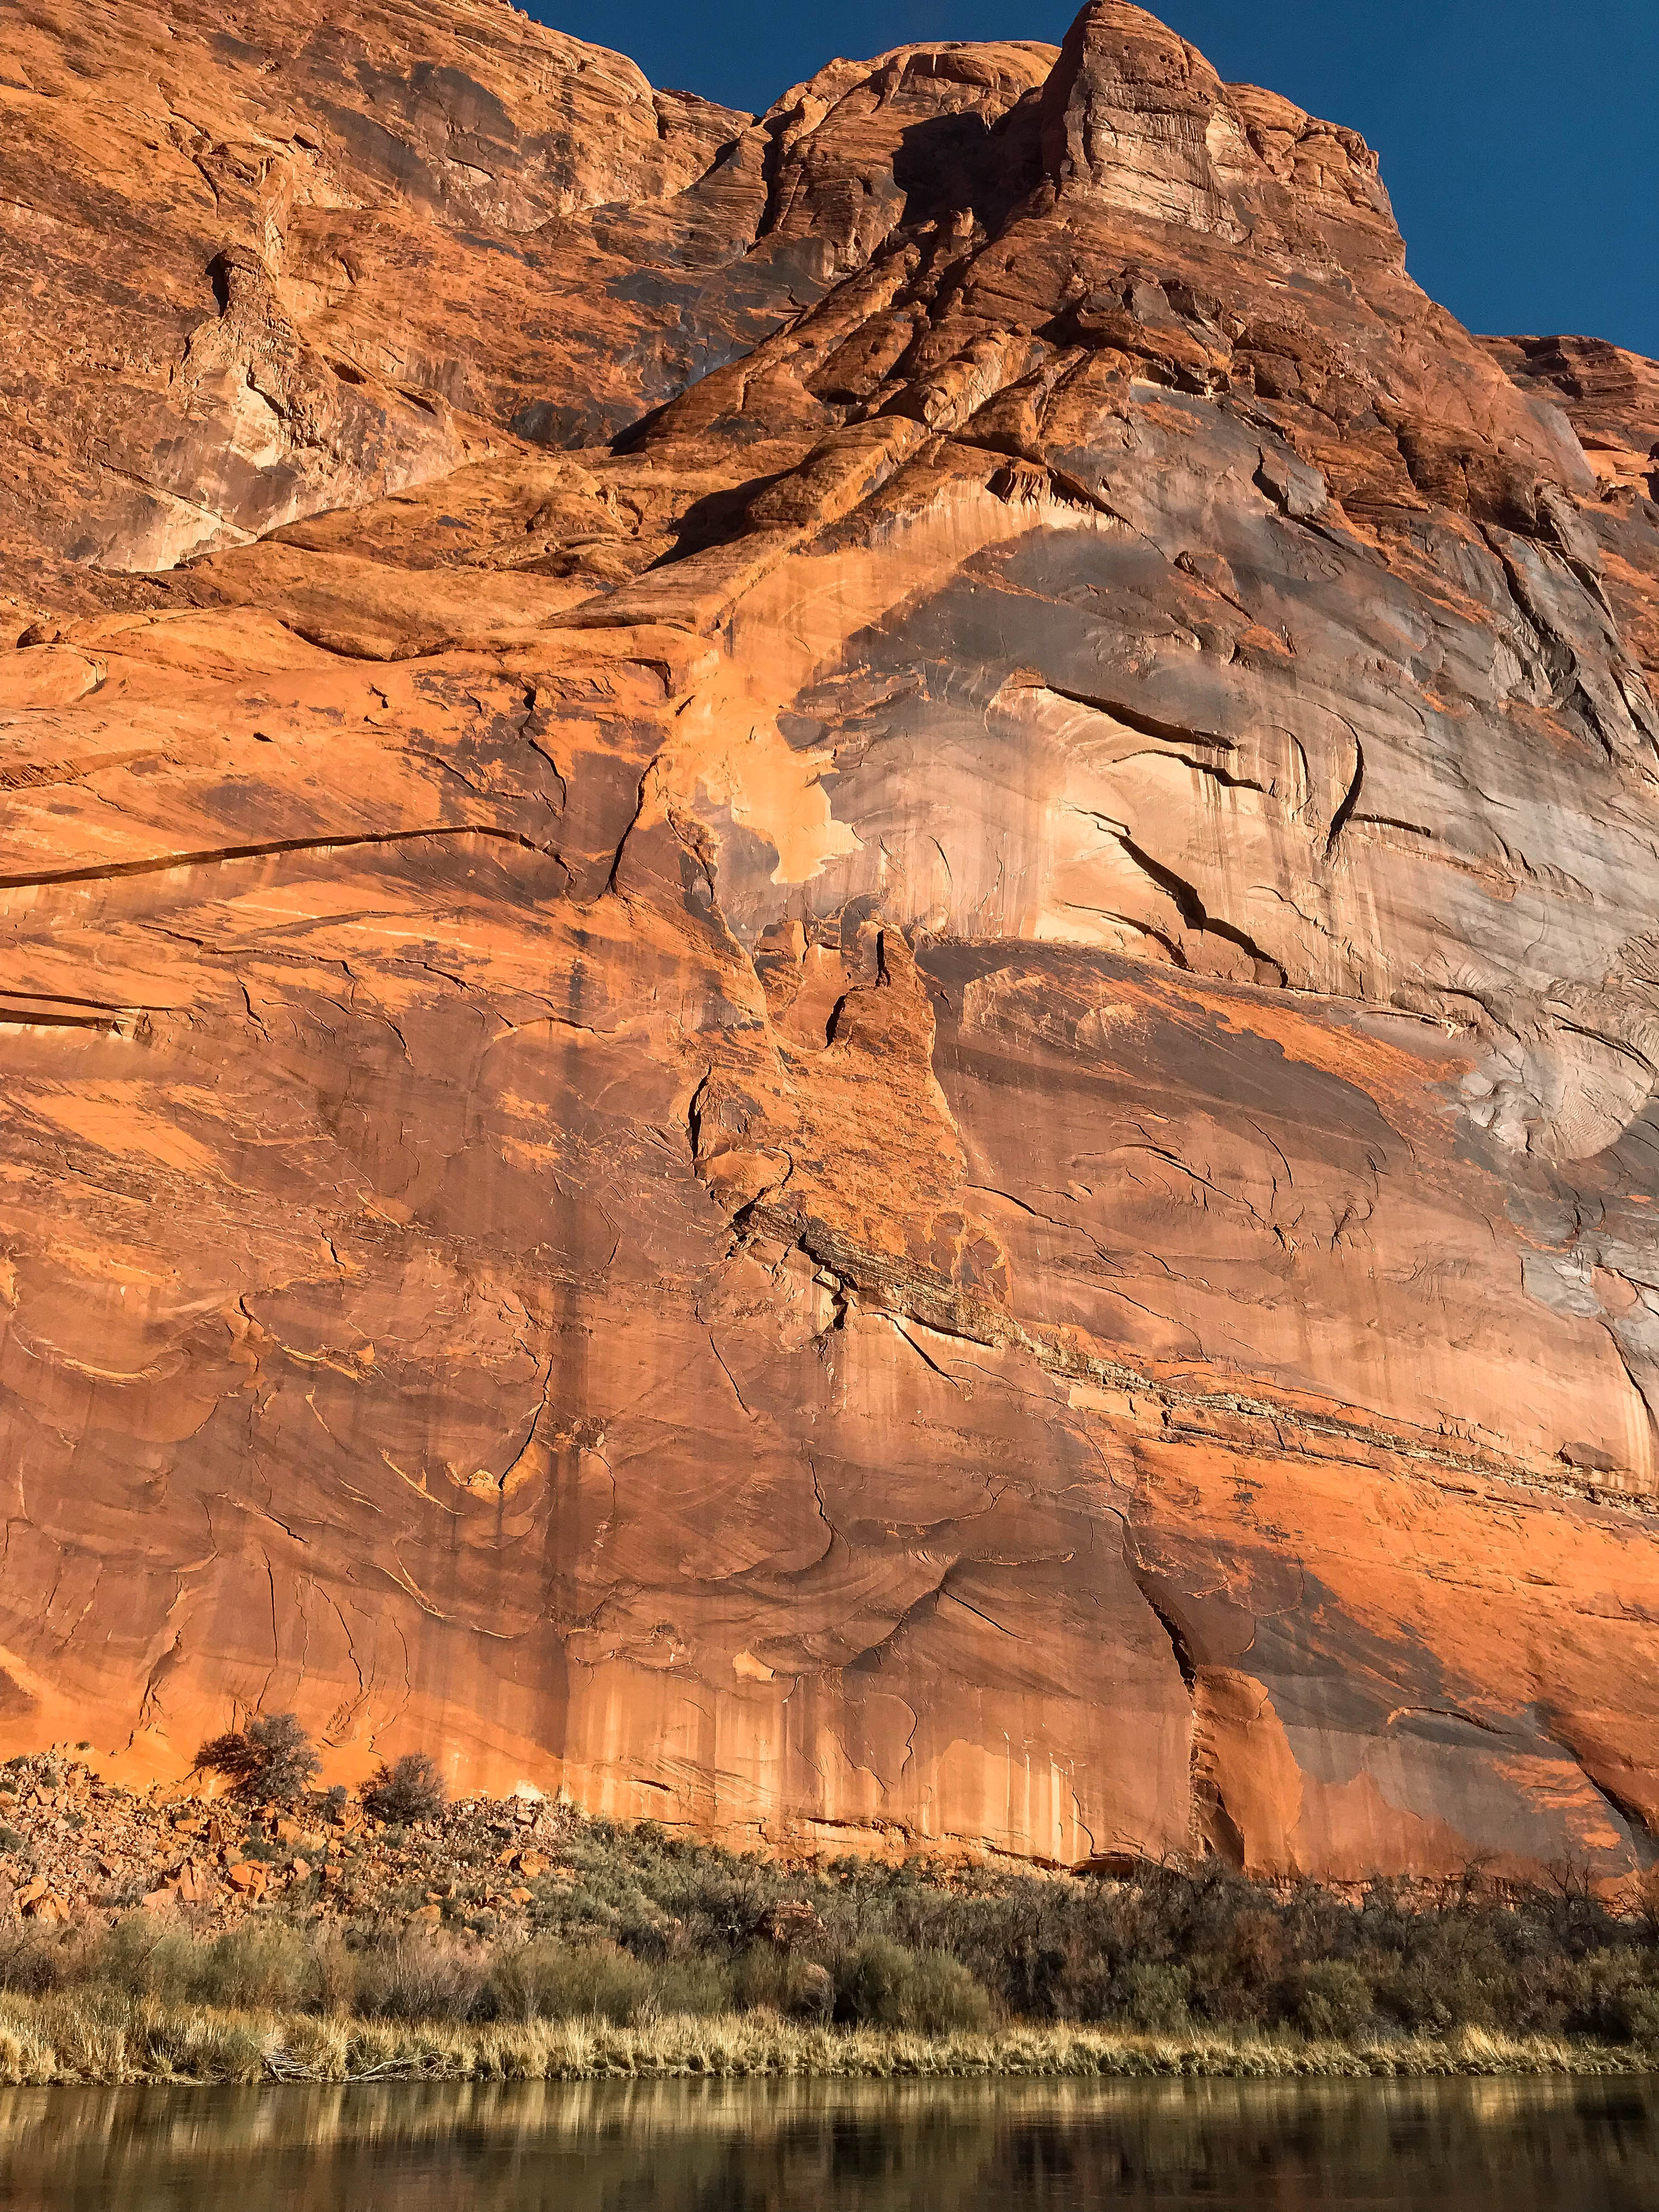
847	1023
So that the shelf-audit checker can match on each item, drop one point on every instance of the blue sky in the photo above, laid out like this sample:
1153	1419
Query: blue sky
1520	138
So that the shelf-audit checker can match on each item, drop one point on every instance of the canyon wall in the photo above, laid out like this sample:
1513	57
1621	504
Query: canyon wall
831	987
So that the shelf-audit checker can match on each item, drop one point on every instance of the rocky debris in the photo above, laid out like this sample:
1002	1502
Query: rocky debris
869	1061
74	1849
792	1922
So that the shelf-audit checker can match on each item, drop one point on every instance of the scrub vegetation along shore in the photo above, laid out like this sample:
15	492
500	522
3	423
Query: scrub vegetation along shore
170	1936
95	2038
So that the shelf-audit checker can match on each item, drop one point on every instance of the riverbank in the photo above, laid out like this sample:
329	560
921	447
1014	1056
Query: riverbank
101	2038
183	1937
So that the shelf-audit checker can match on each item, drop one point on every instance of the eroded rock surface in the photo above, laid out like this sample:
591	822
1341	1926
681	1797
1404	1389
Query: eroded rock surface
864	1042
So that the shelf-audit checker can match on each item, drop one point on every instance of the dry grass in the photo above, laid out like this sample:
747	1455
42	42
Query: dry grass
102	2037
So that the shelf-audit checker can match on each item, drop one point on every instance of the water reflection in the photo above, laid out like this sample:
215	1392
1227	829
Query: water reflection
837	2146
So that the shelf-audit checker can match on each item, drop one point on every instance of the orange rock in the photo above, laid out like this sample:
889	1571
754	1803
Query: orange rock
247	1878
995	945
792	1923
195	1884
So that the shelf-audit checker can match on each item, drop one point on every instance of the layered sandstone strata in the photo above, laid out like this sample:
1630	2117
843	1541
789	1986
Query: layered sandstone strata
857	1038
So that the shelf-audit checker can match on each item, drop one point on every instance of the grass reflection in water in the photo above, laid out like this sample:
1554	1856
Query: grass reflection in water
1492	2146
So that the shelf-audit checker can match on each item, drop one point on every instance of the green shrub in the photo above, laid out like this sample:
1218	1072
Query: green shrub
271	1759
809	1993
142	1955
548	1980
1153	1998
426	1977
32	1963
1411	1996
262	1963
1331	1999
1255	1951
410	1790
334	1973
1608	1994
760	1979
767	1979
881	1984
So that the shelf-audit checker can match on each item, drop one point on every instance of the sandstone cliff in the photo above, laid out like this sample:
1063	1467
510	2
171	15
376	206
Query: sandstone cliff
831	991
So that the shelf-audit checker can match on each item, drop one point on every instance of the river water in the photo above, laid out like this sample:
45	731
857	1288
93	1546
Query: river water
837	2146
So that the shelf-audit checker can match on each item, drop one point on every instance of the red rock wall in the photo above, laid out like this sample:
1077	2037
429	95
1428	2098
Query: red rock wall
918	1109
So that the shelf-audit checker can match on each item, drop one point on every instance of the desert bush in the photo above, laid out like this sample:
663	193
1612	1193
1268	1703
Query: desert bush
32	1962
1410	1995
762	1979
1641	2023
1330	1999
881	1984
1152	1998
544	1980
767	1979
271	1759
1255	1953
1611	1994
412	1789
809	1994
725	1907
263	1964
143	1956
426	1977
333	1972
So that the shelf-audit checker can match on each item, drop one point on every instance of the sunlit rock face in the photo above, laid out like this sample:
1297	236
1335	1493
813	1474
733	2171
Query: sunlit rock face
846	1026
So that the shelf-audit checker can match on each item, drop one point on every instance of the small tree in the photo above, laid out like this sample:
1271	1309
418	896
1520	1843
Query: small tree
271	1758
411	1789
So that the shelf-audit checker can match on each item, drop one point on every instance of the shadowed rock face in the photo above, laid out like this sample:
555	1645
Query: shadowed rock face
848	1026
